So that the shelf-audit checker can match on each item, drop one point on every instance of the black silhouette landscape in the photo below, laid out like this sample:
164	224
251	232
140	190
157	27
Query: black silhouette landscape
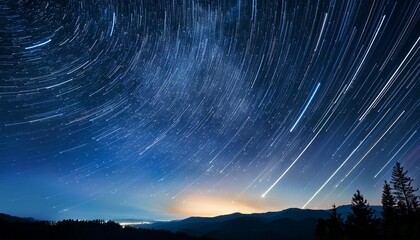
287	224
291	223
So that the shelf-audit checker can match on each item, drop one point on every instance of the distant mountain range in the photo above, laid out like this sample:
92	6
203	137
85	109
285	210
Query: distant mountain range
13	219
12	227
292	223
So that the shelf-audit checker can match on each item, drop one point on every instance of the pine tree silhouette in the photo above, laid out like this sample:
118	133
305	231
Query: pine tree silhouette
331	228
361	222
389	218
405	222
335	224
407	201
388	204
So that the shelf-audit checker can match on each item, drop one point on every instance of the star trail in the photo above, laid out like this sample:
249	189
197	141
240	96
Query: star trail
167	109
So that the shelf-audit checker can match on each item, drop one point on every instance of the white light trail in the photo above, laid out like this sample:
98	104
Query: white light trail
113	23
372	147
386	164
328	180
322	31
38	45
366	53
306	107
303	151
388	84
351	154
291	165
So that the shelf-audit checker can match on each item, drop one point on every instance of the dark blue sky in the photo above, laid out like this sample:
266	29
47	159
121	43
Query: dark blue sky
167	109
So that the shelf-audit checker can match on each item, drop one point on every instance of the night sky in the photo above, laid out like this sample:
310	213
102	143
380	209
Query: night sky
168	109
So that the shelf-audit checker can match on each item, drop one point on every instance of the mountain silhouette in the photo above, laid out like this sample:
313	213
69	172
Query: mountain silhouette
292	223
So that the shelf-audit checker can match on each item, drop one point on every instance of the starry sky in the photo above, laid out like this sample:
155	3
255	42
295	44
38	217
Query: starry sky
166	109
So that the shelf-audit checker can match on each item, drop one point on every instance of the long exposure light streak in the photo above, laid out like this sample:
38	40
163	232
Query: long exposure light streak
306	106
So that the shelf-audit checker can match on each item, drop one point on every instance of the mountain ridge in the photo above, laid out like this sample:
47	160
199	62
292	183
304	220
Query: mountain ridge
291	223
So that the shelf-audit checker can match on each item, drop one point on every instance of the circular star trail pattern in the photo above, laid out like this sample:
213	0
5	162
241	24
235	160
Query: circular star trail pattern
150	108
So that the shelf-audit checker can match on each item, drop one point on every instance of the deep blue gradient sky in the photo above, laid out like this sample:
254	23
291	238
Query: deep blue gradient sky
167	109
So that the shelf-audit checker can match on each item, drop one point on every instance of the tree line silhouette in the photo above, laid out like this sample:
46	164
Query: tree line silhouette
20	228
400	214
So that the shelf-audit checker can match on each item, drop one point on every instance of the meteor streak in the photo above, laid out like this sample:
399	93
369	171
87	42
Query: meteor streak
371	148
386	164
291	165
113	23
38	45
306	107
338	169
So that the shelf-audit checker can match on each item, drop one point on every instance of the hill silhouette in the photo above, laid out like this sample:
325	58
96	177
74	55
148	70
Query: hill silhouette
292	223
27	228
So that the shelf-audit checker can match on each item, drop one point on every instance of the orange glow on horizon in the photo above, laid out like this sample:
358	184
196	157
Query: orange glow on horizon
210	206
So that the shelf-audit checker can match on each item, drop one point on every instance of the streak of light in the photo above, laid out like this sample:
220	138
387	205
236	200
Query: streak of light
192	183
39	44
335	172
73	148
237	154
345	161
297	158
231	139
306	106
291	165
35	120
383	176
364	139
372	146
322	31
246	189
113	23
386	164
59	84
366	53
351	182
388	84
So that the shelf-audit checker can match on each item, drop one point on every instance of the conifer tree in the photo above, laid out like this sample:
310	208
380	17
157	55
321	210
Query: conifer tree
404	192
335	224
406	209
389	216
361	221
331	228
388	204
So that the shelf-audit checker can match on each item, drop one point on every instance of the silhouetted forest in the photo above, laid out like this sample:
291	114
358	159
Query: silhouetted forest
22	228
400	214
